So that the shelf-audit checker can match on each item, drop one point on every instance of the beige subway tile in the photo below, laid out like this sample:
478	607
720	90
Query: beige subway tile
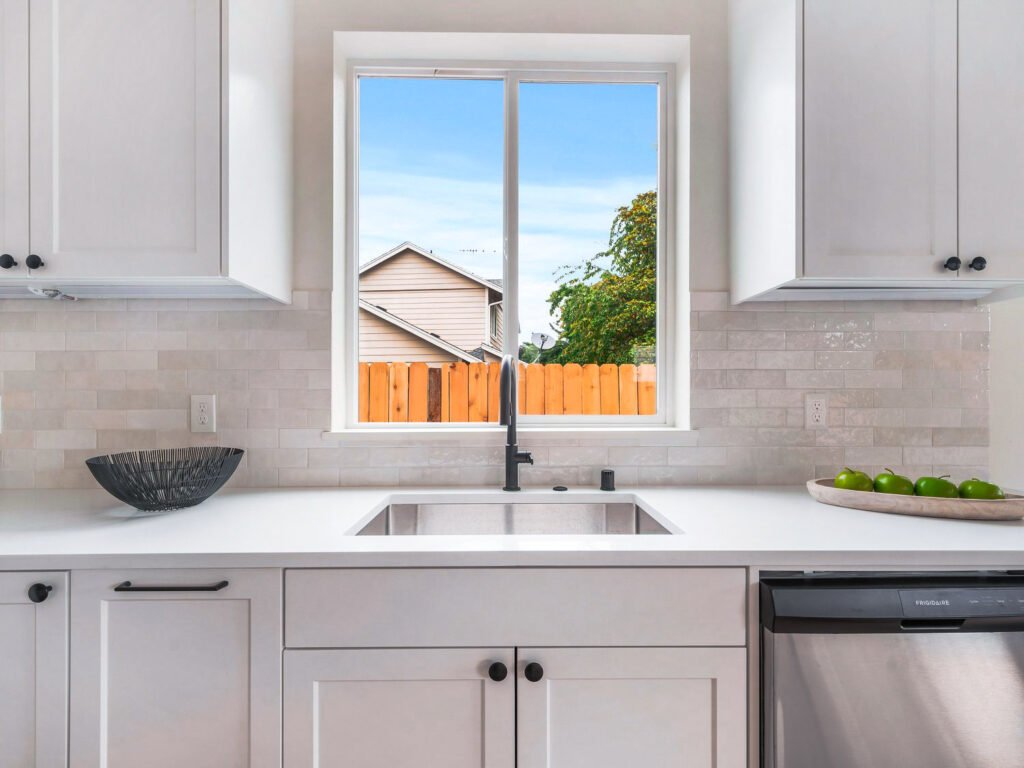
726	321
791	360
95	419
932	417
844	360
815	379
33	381
960	436
95	340
34	341
884	379
65	438
157	419
756	340
713	359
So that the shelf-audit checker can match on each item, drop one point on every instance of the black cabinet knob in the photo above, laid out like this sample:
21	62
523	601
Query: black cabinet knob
7	261
497	671
978	263
953	264
533	672
34	262
39	592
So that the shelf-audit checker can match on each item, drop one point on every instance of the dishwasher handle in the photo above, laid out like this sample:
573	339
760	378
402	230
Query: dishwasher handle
932	625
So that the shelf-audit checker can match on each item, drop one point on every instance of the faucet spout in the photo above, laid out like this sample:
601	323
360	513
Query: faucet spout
507	411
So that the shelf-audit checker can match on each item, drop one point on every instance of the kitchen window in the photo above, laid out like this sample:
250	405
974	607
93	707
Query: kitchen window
497	209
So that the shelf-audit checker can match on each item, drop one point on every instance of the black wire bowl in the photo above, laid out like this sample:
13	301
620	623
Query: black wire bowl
162	480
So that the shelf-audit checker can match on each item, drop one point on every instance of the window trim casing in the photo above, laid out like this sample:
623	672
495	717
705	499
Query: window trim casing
356	50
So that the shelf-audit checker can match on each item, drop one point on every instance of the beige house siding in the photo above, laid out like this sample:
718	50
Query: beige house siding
429	295
382	342
495	339
458	315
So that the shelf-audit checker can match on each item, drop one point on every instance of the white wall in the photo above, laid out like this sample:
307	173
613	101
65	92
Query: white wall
316	20
1006	402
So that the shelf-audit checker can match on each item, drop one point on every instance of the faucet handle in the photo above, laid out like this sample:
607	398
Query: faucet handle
524	457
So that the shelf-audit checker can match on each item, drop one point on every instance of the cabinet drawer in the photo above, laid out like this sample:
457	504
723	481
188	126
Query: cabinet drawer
451	607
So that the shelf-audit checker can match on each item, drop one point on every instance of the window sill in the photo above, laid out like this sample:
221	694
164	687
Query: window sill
528	434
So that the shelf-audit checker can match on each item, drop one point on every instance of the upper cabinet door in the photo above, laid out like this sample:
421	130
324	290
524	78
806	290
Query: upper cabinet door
880	143
615	707
992	137
14	133
125	138
33	670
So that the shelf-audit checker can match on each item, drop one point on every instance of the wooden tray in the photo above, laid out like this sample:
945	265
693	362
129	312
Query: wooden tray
1010	508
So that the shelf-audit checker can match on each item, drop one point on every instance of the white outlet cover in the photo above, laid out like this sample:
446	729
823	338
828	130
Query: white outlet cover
203	417
815	411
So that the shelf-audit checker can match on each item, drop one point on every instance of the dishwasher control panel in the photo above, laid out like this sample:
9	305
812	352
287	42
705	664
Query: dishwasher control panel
961	602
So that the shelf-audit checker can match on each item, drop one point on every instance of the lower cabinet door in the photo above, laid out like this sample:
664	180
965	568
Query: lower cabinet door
399	708
616	707
33	670
176	668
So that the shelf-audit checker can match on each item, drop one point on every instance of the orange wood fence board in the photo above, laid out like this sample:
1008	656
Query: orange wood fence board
553	390
378	409
477	407
591	389
398	403
627	390
446	386
418	392
493	391
364	391
534	388
572	389
646	389
458	391
609	389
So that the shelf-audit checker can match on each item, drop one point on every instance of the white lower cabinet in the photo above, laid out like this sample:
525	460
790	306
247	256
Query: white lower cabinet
33	669
174	668
557	708
399	708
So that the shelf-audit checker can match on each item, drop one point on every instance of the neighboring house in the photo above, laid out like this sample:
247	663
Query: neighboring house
417	307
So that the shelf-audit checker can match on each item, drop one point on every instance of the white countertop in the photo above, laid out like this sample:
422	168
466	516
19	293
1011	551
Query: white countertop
763	526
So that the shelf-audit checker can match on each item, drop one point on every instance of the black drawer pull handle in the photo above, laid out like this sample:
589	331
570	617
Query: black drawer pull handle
126	586
533	672
497	671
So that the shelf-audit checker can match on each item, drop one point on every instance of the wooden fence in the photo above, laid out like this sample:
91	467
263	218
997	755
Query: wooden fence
469	392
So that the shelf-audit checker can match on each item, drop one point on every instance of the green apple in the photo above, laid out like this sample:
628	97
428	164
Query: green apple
853	480
936	486
979	489
890	482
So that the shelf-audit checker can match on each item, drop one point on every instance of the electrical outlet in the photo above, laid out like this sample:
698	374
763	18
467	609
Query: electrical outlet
204	413
815	411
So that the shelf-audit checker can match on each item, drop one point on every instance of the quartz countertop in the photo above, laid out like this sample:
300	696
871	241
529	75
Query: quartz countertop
310	527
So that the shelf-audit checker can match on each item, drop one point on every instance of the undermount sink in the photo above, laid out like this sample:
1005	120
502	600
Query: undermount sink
518	518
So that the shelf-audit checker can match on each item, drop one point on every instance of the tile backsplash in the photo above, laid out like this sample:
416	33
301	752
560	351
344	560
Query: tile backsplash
906	385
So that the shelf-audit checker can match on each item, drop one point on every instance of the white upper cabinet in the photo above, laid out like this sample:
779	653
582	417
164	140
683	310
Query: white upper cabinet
13	133
876	148
146	147
125	126
992	136
879	104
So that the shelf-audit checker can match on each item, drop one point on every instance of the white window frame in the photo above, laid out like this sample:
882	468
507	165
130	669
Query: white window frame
673	200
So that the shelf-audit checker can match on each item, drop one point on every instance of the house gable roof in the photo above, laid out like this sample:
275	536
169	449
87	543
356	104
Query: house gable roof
407	246
415	330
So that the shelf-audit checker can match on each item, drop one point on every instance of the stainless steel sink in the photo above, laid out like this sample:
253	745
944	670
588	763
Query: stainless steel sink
440	519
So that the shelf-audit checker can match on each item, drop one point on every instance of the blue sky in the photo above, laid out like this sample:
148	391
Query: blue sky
430	168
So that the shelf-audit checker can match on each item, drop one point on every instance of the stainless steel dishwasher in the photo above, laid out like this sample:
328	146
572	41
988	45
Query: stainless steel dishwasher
892	670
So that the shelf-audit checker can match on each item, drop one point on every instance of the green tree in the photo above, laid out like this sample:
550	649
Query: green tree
607	306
